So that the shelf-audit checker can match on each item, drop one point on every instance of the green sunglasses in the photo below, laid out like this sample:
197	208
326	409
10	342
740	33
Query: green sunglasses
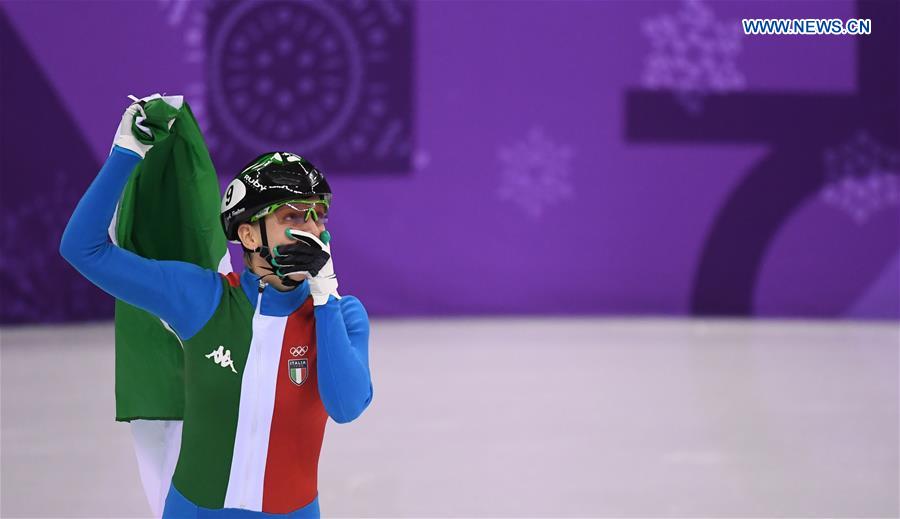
309	212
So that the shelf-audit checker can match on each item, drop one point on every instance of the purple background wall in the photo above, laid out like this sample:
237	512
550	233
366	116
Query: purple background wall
494	157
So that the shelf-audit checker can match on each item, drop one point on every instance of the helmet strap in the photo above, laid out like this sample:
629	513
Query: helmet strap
262	235
266	254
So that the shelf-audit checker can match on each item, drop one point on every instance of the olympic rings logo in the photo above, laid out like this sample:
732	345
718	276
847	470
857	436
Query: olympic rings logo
299	351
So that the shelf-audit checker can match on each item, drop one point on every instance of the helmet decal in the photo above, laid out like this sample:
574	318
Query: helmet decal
234	193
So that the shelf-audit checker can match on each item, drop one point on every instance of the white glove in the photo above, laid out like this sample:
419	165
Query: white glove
325	283
124	136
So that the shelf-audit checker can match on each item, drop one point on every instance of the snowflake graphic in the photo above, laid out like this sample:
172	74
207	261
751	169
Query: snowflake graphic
421	159
692	55
26	272
861	177
535	172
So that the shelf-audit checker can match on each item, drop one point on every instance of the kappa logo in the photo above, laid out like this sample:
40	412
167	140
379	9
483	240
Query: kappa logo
222	357
299	351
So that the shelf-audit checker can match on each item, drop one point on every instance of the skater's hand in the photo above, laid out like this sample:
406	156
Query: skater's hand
301	259
133	121
323	283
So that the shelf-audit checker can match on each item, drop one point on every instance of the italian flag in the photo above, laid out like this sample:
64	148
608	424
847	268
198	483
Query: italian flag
169	210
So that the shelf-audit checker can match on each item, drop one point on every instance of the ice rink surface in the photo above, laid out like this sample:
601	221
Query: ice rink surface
522	417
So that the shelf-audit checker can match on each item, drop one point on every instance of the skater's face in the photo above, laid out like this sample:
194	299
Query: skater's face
303	216
311	218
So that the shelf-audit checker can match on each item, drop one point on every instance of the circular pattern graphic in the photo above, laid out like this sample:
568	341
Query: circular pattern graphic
285	74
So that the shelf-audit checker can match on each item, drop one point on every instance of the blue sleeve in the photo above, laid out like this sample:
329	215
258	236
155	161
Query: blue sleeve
180	293
342	338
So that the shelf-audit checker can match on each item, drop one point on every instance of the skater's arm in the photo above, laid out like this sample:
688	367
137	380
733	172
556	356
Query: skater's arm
342	336
180	293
